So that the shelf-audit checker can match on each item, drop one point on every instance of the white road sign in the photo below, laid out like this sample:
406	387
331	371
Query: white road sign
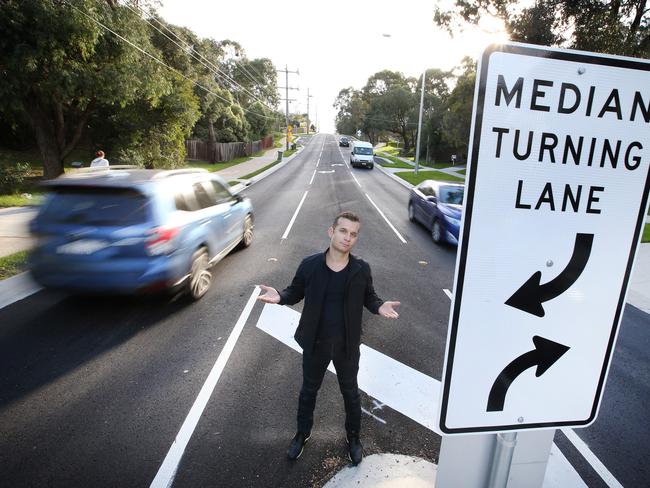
556	197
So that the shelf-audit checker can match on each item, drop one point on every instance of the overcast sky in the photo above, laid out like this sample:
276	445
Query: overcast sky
334	44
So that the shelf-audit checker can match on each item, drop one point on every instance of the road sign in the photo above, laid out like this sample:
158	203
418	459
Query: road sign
555	202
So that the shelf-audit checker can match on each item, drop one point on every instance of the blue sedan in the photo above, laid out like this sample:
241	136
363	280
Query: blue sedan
439	206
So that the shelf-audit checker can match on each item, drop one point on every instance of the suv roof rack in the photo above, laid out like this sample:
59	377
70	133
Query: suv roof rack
174	172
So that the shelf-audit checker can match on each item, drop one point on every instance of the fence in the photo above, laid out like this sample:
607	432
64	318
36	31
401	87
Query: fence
224	151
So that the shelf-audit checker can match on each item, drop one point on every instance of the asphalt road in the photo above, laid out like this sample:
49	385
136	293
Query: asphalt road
93	391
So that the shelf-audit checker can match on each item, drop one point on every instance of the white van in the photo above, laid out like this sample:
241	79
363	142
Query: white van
362	155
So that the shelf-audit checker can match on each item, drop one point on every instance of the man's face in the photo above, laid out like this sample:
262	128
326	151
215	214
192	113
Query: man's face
344	236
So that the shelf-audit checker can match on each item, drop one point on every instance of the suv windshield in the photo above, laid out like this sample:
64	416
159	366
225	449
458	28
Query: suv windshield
452	195
363	150
95	206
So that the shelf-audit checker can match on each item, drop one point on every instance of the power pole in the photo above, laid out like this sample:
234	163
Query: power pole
286	98
308	97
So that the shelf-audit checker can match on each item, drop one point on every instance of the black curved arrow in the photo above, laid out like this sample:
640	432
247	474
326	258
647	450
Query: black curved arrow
531	295
545	354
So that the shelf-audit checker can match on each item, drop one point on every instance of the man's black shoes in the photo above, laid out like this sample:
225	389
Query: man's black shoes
297	445
355	449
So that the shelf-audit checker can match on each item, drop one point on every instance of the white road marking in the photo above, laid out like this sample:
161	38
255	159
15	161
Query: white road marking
560	472
355	178
387	221
325	172
448	293
295	214
591	458
167	471
312	177
373	416
403	388
557	457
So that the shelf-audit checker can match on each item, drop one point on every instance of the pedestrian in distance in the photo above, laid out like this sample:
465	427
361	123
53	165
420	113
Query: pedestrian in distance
335	286
99	160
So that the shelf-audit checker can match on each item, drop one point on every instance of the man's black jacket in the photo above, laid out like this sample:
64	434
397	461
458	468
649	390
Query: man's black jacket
310	283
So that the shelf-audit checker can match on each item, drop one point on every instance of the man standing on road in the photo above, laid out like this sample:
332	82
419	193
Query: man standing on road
335	285
99	160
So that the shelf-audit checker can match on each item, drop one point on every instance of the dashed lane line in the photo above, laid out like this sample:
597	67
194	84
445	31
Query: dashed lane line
295	214
399	236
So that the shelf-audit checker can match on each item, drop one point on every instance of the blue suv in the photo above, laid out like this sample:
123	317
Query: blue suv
128	230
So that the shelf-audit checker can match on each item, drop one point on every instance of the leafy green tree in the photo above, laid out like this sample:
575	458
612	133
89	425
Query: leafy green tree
606	26
59	65
457	119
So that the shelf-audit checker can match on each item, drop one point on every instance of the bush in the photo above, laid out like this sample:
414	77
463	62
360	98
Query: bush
12	177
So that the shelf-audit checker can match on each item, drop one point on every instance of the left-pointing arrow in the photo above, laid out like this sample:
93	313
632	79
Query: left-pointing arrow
530	296
545	354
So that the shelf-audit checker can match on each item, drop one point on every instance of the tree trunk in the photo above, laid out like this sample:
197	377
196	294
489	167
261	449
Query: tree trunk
46	140
407	142
211	140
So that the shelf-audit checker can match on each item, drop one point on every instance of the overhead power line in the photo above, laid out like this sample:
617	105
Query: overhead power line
135	46
190	49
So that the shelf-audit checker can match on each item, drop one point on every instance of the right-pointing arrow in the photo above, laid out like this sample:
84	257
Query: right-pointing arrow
545	354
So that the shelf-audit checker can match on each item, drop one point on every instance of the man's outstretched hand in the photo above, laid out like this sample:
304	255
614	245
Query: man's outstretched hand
269	295
387	310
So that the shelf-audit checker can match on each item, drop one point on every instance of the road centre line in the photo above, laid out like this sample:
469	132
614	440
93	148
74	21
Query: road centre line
402	388
582	448
387	221
167	471
295	214
312	177
591	458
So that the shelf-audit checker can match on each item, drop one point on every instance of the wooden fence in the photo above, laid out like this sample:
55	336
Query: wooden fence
224	151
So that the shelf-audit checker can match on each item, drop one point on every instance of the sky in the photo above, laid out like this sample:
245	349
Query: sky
334	44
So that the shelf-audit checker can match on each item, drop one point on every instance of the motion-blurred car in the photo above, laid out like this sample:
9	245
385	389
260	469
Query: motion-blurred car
439	206
127	230
344	142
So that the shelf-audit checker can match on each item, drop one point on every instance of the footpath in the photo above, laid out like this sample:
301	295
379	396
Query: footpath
386	470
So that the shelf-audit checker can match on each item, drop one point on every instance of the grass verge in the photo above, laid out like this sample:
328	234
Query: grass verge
18	200
13	264
646	233
426	175
394	162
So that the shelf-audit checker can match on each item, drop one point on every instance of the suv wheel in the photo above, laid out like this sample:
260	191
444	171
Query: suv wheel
247	237
411	213
200	276
436	232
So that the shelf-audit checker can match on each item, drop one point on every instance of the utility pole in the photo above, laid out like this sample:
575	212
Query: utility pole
308	97
286	98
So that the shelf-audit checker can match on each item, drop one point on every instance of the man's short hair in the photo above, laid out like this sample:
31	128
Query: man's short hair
351	216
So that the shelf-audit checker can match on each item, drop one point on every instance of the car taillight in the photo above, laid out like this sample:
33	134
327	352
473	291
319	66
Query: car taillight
161	241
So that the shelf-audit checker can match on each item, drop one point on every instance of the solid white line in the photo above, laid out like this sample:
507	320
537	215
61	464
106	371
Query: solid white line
447	292
387	221
167	471
312	177
295	214
591	458
355	178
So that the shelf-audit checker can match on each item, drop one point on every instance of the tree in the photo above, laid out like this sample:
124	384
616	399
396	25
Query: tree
457	119
606	26
59	65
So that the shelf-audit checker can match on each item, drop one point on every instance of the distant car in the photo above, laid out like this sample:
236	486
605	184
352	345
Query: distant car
362	155
344	142
125	230
439	206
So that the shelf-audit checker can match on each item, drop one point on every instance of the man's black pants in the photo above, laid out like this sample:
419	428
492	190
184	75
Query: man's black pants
314	365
